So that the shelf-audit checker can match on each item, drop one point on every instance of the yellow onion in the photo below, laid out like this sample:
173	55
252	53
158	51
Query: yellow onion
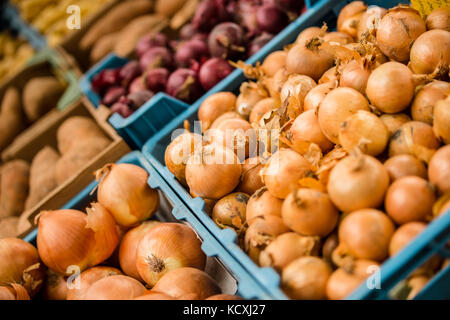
370	19
308	34
229	212
338	37
178	152
397	31
358	182
250	94
123	190
262	204
337	106
214	106
225	116
350	16
55	287
306	128
251	175
283	171
355	74
405	165
306	278
441	120
331	75
430	50
13	291
294	91
404	235
20	264
394	121
78	287
213	172
286	248
439	169
390	87
261	108
275	83
187	281
315	96
274	62
329	245
309	212
128	248
365	131
69	238
165	247
439	18
115	287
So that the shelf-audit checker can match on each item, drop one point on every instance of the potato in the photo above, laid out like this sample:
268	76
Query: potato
12	120
42	176
130	35
8	227
168	7
40	95
14	186
74	130
115	20
78	156
103	46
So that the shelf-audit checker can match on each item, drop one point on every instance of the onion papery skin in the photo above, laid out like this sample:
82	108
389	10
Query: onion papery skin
182	281
229	212
430	50
369	19
116	287
274	62
439	169
13	291
404	235
355	75
306	128
405	165
439	19
125	193
315	96
166	247
214	106
251	175
349	17
422	107
71	238
262	204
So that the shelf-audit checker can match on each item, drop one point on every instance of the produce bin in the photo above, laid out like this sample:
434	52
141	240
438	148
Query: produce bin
395	269
230	275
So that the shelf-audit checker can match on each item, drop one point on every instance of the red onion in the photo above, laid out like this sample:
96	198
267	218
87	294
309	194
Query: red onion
113	94
156	79
244	13
137	99
191	50
150	41
156	57
258	42
137	85
122	109
183	84
226	41
105	79
187	31
129	72
213	71
208	14
271	19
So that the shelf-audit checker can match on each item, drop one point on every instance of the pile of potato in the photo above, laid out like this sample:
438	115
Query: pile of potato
14	53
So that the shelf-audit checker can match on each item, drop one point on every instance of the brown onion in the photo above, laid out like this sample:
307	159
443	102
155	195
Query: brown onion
370	19
116	287
128	248
214	106
309	212
365	131
439	169
429	51
358	182
214	172
306	128
315	96
251	175
329	245
337	106
308	34
261	233
422	107
261	108
441	120
225	116
439	18
349	17
306	278
250	94
409	199
229	212
165	247
405	165
275	83
262	204
394	121
397	31
55	287
286	248
274	62
338	37
404	235
390	87
283	171
355	74
123	190
365	234
294	91
78	287
183	281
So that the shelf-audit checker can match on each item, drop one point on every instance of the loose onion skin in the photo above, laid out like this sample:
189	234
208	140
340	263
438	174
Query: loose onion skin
409	199
405	165
183	281
13	291
441	120
261	108
286	248
358	182
166	247
306	128
214	106
229	212
283	171
404	235
87	279
251	176
331	75
306	278
19	263
309	212
343	282
294	91
274	62
390	87
365	131
422	107
394	121
337	106
315	96
262	204
116	287
338	37
370	19
439	19
430	50
439	169
216	174
350	16
125	193
250	94
365	234
397	31
128	248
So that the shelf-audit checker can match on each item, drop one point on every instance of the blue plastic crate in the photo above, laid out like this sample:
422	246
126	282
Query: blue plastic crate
247	286
154	149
